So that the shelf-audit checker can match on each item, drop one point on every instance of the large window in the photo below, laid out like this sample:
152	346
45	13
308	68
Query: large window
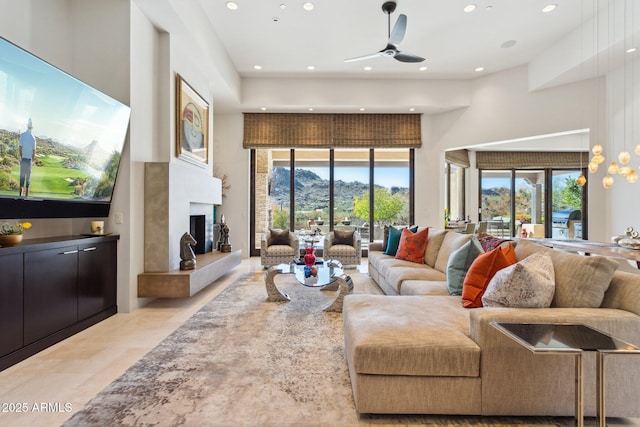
353	189
513	200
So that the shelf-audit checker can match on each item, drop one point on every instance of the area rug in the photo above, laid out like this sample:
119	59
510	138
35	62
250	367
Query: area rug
244	361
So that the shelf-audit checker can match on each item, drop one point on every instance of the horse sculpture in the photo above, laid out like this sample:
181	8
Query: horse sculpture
186	252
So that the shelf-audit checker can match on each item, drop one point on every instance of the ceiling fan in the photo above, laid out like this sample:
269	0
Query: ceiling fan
395	38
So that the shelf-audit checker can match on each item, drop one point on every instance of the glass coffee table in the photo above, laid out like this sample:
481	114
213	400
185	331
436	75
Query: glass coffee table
329	277
570	338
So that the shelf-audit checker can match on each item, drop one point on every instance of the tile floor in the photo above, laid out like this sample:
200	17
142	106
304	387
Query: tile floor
47	388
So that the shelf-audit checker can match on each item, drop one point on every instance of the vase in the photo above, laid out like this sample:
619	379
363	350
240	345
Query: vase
309	257
10	239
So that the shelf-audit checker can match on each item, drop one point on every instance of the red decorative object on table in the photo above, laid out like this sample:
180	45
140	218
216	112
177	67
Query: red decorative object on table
309	257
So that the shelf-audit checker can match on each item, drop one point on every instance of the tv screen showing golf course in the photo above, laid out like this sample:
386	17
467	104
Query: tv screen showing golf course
60	139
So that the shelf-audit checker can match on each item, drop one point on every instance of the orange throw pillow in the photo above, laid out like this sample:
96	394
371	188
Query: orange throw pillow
482	270
413	245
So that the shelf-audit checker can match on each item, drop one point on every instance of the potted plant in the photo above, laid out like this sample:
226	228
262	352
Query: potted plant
11	234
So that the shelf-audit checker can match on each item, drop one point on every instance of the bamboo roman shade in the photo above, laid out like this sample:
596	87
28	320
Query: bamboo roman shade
458	158
296	130
530	160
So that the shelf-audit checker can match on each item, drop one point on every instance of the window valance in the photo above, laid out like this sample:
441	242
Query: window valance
298	130
530	160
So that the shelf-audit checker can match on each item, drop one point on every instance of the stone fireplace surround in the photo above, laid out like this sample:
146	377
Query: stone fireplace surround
173	193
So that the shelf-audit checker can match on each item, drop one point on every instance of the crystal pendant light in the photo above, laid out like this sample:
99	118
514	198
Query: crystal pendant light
596	149
593	167
624	170
637	150
582	180
607	181
613	168
597	159
632	176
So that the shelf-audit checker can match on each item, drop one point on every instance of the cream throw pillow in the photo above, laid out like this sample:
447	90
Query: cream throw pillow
529	283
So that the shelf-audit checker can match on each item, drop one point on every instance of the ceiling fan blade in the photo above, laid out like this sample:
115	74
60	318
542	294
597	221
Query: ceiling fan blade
363	57
398	32
408	57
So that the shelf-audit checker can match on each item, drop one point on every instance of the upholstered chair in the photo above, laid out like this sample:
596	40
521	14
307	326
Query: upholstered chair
278	247
343	246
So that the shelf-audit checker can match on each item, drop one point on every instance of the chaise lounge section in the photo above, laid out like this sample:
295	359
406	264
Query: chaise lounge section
427	354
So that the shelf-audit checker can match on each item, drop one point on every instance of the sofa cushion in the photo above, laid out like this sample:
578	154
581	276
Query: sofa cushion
451	242
394	239
436	236
581	281
482	271
410	335
528	283
425	287
397	275
342	237
459	263
413	245
278	237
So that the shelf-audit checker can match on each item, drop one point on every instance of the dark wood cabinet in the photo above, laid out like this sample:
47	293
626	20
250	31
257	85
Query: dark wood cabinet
96	278
10	303
50	291
53	288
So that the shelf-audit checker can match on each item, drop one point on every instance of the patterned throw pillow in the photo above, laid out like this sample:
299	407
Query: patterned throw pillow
412	245
459	263
482	271
489	242
529	283
343	237
394	239
278	237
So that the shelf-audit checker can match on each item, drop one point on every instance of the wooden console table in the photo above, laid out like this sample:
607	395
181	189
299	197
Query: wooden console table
589	247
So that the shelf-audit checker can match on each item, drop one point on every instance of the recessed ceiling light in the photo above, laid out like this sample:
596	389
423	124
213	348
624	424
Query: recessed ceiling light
469	8
412	109
423	68
311	68
631	50
479	69
231	5
257	67
263	108
310	109
362	109
308	6
549	8
368	68
283	6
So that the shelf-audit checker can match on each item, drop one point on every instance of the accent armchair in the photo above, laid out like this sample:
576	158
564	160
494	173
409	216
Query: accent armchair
343	246
278	247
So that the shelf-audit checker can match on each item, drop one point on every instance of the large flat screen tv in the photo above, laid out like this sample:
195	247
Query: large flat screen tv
61	141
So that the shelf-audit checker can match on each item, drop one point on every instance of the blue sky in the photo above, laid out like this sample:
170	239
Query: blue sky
385	176
60	106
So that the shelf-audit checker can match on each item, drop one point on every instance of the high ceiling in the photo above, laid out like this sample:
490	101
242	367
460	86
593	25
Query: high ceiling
284	38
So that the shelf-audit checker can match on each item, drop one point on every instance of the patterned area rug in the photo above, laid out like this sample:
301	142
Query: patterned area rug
243	361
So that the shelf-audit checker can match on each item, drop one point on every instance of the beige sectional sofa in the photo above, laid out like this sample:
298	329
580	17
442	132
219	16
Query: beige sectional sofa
418	351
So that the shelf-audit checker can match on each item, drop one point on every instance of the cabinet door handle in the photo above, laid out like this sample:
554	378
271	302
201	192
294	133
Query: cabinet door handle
69	252
93	248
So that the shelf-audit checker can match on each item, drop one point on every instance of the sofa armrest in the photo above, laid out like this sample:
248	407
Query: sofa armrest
328	240
263	242
293	240
357	241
